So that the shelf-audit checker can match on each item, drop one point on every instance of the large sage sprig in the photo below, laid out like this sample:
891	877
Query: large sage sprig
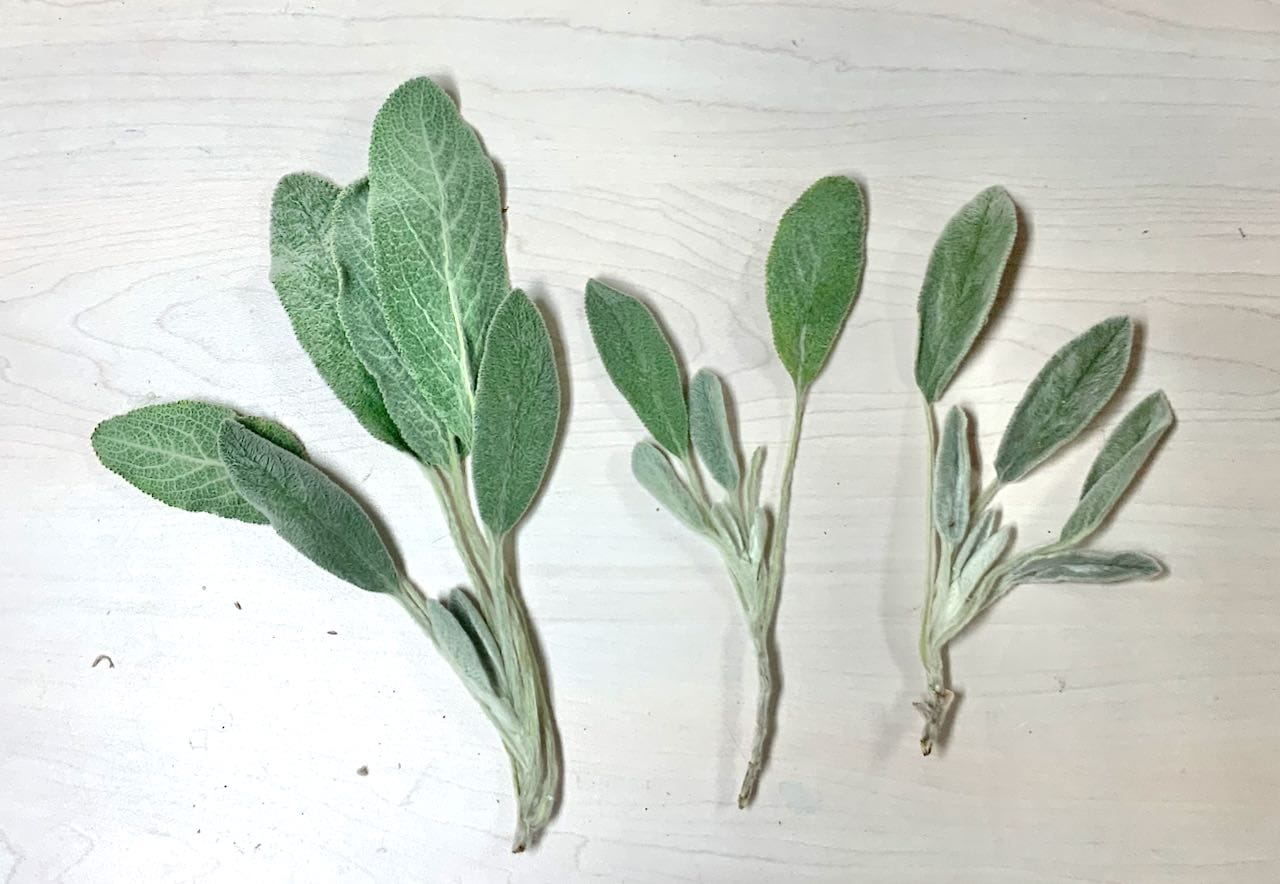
812	278
396	287
970	564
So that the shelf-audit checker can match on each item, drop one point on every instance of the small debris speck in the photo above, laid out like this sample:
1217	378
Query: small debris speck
333	632
362	771
238	608
111	664
1241	229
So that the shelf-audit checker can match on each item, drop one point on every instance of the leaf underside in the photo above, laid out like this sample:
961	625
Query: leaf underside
709	428
653	471
953	478
1088	566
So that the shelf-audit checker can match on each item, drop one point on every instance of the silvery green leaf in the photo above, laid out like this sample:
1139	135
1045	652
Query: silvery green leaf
306	281
722	515
640	362
437	232
755	472
953	478
980	562
351	246
307	509
960	286
709	426
813	273
759	534
170	452
656	474
977	534
457	646
1065	396
1088	566
517	413
468	614
1124	453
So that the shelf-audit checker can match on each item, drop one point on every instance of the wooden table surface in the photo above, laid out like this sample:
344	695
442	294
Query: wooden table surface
1105	734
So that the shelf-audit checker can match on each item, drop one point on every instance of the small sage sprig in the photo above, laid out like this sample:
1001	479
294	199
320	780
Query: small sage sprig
396	287
812	278
970	561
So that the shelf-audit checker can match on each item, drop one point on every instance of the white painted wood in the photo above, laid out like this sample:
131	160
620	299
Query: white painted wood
1107	734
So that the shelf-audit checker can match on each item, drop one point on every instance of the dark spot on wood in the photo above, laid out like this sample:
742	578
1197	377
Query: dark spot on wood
362	771
111	664
238	608
333	632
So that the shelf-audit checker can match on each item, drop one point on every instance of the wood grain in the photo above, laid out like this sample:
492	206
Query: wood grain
1106	734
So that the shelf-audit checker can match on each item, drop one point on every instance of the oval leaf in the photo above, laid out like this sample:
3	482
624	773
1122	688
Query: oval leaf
517	413
351	245
977	535
709	426
306	281
960	286
1124	453
984	556
656	474
953	478
307	509
640	362
437	232
813	272
170	452
1065	396
464	608
458	646
1088	566
755	474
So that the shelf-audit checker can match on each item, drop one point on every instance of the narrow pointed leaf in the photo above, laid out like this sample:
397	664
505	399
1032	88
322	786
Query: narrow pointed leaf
813	273
953	478
170	452
1065	396
308	509
960	286
963	584
639	360
306	281
437	231
709	426
978	533
458	647
755	474
517	413
655	473
1088	566
468	614
1123	455
359	309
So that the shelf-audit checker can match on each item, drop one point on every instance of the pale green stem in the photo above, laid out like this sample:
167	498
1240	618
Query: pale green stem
938	699
931	543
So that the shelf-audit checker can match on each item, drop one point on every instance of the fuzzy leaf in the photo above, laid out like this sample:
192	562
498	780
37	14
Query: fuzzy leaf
1124	453
656	474
813	273
457	646
1088	566
517	413
960	286
984	557
709	426
437	231
978	533
953	478
170	452
351	246
306	281
308	509
464	608
640	362
755	473
1065	396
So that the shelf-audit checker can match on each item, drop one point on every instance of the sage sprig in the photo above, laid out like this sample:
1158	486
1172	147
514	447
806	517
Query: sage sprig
970	562
396	286
812	278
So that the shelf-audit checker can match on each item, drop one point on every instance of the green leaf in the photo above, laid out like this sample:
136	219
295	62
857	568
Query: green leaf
170	452
640	362
467	612
306	281
351	245
960	286
1065	396
457	646
953	478
437	231
978	533
755	473
1124	453
709	426
984	557
517	413
813	272
656	474
308	509
1088	566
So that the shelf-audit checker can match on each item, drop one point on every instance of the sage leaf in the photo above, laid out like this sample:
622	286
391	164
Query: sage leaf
977	534
308	509
759	535
1088	566
170	452
755	473
438	244
517	413
351	245
960	286
709	426
655	473
459	648
813	273
1124	453
306	282
953	478
639	360
464	608
1065	396
980	562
